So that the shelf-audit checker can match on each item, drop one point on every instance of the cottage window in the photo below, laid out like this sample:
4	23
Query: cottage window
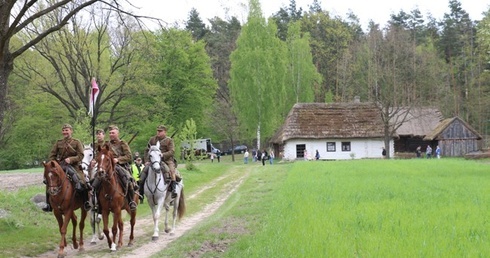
330	146
300	150
345	146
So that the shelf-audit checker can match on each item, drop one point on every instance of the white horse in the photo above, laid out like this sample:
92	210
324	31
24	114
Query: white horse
155	186
88	156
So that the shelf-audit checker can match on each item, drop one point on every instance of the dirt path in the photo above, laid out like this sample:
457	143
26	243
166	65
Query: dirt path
144	225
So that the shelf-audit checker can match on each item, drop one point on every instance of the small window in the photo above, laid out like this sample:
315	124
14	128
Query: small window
345	146
330	146
300	150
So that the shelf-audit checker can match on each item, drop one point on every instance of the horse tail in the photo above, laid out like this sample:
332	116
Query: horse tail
181	208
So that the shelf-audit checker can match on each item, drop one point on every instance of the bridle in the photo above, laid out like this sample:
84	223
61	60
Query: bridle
158	171
53	190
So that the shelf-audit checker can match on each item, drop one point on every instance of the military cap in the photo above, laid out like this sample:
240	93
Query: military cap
67	126
161	128
113	127
99	131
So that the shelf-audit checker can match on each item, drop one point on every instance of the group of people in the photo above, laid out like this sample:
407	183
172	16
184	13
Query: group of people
68	152
259	156
428	152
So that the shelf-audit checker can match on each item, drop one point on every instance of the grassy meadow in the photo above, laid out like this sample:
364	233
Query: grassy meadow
355	208
361	208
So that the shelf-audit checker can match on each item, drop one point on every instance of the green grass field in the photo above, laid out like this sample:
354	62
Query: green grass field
360	208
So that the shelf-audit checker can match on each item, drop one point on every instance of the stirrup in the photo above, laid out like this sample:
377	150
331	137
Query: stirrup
132	206
87	206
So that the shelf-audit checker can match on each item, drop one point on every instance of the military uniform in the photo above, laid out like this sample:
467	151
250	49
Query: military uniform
167	149
69	148
120	150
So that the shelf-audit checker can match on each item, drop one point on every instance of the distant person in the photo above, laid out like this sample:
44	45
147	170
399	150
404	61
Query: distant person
305	155
245	157
438	152
212	157
263	157
317	155
383	153
136	169
428	152
418	151
254	155
271	157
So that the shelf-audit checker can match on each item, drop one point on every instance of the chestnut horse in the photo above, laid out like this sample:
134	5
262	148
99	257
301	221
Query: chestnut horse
112	198
65	201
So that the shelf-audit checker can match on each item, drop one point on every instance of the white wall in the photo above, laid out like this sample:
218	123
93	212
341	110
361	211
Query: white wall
360	148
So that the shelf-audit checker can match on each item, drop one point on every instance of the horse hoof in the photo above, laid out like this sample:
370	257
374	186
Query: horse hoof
101	238
167	230
93	242
75	245
154	238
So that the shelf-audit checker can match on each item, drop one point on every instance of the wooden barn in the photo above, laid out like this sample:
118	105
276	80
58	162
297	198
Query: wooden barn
417	123
337	130
455	137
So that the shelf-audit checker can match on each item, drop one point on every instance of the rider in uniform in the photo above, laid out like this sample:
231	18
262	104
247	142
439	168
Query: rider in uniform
122	158
168	149
68	152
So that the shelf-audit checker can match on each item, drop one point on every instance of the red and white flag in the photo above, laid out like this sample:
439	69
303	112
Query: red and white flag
93	97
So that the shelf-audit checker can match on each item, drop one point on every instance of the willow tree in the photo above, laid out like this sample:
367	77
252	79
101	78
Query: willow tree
257	76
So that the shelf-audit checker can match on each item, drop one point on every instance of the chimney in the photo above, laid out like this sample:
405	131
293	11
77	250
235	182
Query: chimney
357	99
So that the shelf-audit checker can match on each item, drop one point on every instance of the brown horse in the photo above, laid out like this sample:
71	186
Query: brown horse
65	201
111	196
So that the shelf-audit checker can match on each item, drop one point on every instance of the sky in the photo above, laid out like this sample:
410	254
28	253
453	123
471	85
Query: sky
379	11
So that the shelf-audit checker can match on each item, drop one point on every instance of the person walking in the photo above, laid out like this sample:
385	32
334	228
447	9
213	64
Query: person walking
263	157
271	157
438	152
428	152
245	157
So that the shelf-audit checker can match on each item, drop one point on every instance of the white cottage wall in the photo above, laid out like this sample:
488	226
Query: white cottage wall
360	148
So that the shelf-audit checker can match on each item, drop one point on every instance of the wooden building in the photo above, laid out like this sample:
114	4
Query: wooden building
455	137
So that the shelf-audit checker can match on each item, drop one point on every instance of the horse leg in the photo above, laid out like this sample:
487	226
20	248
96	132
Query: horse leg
132	222
115	225
62	227
74	225
155	210
174	213
105	219
82	226
92	225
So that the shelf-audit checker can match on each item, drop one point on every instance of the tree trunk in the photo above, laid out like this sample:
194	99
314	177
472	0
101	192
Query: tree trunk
6	67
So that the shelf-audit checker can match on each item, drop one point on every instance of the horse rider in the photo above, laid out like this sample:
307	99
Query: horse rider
122	158
167	148
100	137
68	152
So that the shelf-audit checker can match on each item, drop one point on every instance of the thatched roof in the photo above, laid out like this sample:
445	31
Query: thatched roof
418	122
334	120
434	135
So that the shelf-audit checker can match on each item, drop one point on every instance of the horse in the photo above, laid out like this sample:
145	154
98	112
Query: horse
65	201
112	198
88	156
155	186
178	204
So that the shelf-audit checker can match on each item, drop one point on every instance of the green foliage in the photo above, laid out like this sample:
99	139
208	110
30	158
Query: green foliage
184	72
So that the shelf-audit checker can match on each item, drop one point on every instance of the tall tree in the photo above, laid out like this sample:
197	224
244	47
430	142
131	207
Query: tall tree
195	25
17	16
284	16
257	83
457	44
184	72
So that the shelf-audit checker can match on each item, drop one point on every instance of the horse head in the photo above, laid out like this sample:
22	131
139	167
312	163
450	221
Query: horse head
88	155
155	156
105	162
54	176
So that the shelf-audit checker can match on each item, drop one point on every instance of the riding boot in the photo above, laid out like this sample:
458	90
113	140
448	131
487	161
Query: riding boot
174	188
141	191
130	196
48	207
86	201
71	172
